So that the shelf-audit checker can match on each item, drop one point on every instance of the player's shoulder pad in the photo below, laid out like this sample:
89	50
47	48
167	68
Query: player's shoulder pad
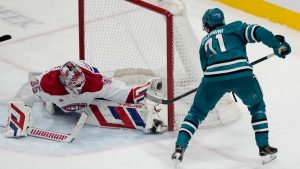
50	83
237	24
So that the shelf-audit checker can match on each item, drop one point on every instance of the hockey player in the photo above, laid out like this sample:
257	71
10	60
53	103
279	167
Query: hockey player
226	68
79	87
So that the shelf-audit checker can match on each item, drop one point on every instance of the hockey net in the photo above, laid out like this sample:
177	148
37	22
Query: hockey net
134	41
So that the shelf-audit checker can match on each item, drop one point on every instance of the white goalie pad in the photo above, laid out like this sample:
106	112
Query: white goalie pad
104	113
19	119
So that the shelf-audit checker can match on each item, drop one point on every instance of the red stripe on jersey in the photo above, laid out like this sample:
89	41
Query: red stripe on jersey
51	84
93	81
103	122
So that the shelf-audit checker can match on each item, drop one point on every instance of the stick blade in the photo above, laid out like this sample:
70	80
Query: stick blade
5	37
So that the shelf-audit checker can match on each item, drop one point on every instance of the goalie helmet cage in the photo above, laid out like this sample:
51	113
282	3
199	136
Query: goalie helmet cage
142	40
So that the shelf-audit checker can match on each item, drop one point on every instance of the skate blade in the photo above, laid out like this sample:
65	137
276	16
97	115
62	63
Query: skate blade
268	158
176	161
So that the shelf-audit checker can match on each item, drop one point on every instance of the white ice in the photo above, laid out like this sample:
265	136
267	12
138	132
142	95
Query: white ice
45	34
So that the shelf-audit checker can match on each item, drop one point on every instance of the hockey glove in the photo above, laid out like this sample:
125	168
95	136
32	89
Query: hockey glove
284	48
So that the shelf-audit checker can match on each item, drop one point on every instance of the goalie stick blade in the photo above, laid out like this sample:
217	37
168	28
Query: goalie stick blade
56	136
50	135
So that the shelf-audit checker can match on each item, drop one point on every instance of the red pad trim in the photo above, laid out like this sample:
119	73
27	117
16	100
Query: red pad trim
21	121
123	115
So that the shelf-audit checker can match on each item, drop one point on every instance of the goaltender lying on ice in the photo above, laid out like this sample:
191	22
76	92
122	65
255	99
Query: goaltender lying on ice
79	87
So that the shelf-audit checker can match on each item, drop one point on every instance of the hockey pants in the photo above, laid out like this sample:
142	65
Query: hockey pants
207	96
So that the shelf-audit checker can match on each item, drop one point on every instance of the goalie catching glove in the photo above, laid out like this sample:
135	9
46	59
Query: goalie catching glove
19	119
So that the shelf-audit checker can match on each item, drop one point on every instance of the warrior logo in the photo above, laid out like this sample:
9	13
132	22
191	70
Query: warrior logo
74	107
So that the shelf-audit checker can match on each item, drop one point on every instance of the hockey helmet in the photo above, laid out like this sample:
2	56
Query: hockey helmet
72	77
212	19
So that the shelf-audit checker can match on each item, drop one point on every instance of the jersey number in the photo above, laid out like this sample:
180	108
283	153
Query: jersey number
35	84
209	44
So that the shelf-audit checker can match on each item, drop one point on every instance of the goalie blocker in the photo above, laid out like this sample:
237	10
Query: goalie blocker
19	125
18	120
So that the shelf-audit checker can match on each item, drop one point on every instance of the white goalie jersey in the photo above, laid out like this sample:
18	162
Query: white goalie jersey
49	88
107	101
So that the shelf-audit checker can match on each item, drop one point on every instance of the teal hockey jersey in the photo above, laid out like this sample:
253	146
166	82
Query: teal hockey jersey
223	53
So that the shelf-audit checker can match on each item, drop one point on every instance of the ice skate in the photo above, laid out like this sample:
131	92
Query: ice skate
153	122
155	126
158	126
267	153
177	156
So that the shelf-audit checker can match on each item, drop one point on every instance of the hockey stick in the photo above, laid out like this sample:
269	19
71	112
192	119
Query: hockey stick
56	136
51	135
169	101
4	38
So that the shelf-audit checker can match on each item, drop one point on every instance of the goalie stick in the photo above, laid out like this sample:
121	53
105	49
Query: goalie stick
56	136
169	101
52	135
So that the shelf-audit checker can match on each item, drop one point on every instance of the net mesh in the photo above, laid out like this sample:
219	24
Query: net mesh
128	41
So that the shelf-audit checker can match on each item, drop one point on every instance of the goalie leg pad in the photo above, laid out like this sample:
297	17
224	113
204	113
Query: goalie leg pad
18	120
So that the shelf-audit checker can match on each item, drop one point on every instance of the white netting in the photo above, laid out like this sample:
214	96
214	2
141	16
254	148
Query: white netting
128	42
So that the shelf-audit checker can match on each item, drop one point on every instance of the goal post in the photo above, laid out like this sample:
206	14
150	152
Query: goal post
169	52
135	36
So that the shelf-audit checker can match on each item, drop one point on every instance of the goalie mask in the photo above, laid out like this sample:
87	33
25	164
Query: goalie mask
72	77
